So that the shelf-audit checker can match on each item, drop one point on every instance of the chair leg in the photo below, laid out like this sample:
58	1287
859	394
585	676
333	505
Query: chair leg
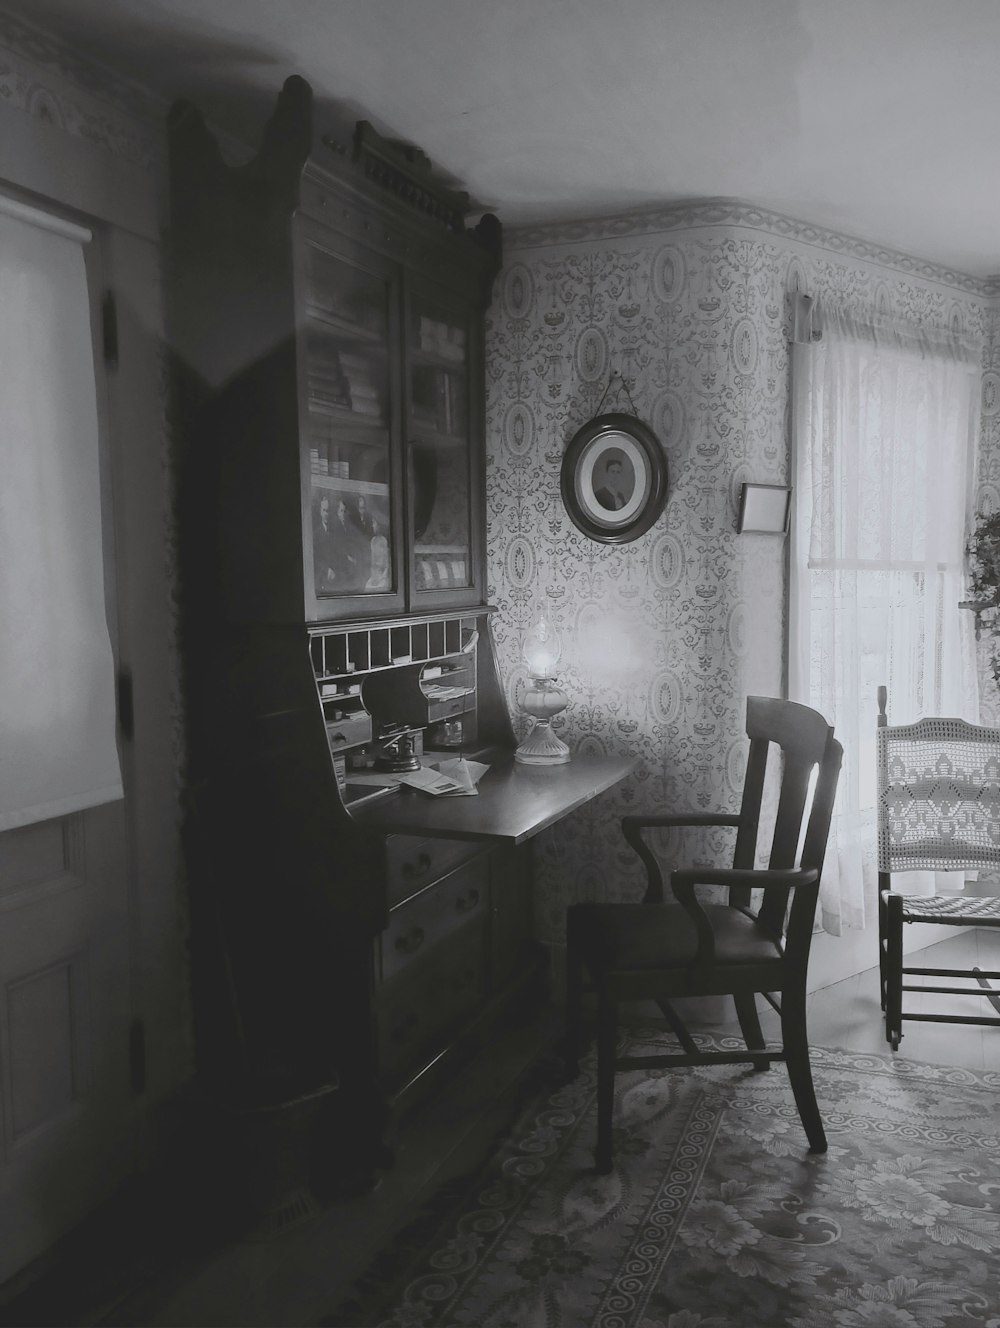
746	1011
677	1026
607	1039
882	936
988	991
574	1006
893	969
793	1032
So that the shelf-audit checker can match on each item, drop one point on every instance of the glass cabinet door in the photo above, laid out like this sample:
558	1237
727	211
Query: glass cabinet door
346	342
442	552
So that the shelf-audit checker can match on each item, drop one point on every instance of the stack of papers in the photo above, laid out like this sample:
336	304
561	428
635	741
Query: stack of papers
455	778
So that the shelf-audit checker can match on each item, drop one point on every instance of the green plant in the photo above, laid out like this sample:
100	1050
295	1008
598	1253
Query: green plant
983	565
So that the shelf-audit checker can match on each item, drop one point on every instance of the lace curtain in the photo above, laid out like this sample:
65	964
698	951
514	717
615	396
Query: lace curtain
58	750
885	421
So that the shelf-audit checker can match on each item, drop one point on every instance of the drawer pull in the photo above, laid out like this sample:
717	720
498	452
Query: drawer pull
418	868
465	903
338	737
410	941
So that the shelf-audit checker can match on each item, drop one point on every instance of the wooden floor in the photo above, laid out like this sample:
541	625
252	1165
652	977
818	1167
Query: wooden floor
848	1014
299	1276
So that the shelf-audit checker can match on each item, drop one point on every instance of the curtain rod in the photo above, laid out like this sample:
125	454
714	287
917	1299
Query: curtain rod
46	221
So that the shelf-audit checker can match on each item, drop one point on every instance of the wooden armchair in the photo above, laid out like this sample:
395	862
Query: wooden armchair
660	951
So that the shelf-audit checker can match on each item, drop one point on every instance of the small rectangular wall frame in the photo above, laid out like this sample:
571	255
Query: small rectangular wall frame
764	509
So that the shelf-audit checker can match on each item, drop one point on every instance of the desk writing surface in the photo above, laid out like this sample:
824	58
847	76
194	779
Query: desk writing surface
514	801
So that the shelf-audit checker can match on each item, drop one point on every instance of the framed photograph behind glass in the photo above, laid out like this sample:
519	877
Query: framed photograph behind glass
614	478
351	550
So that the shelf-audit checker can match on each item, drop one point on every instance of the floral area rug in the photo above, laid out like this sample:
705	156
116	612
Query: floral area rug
715	1214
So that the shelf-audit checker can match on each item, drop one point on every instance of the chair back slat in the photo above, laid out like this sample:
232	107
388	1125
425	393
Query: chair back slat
745	850
796	777
801	736
774	913
821	811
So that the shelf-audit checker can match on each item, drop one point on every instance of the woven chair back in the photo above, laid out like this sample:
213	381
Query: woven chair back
938	796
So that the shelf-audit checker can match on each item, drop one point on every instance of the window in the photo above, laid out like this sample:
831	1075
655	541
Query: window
885	422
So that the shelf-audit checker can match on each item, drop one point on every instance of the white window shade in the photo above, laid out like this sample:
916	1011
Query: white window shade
58	751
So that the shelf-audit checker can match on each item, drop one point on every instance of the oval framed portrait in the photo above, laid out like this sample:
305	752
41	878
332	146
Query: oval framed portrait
614	478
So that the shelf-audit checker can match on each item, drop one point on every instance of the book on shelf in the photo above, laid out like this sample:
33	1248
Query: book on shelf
365	395
361	363
441	692
370	409
329	399
338	307
456	403
324	375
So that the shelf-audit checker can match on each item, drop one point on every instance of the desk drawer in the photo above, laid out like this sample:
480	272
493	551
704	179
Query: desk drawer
451	706
412	863
416	927
418	1012
350	730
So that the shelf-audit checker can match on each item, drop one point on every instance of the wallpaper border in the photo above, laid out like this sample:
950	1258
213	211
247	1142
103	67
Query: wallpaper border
715	212
35	43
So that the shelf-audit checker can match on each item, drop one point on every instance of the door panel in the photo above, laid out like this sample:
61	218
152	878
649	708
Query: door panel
45	1012
66	1099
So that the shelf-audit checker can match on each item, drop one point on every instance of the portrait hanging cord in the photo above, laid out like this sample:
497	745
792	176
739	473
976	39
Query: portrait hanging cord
622	387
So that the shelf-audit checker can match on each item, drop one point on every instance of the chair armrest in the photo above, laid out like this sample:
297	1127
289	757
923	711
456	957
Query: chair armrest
684	880
632	827
755	877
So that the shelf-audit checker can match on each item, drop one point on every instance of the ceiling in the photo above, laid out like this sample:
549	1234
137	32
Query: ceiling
874	119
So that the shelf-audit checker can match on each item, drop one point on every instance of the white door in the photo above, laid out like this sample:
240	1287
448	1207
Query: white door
64	1020
66	1097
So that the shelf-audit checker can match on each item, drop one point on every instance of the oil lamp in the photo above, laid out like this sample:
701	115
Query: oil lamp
542	698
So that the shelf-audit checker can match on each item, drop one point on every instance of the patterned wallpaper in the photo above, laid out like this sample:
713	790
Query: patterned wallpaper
44	77
664	638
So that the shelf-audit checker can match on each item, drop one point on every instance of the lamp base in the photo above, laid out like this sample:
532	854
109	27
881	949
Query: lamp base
542	746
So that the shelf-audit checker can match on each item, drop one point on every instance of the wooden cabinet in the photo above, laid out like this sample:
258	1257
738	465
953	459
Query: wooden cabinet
330	301
349	369
325	314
